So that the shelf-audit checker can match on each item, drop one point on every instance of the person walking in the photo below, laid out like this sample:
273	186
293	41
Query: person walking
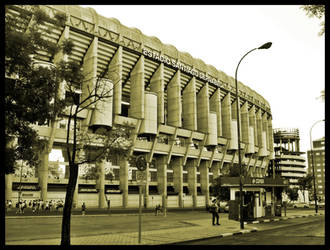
83	208
108	201
214	209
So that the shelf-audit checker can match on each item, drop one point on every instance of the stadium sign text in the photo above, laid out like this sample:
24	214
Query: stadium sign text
178	65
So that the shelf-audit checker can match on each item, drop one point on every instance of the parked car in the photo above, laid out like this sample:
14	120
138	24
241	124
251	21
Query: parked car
300	205
224	206
319	204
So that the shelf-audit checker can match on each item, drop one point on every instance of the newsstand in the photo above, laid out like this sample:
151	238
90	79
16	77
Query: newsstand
233	209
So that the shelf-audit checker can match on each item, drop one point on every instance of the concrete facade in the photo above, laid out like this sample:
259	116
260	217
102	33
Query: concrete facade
168	94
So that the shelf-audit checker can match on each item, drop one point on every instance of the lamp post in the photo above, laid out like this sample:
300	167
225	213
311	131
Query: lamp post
265	46
312	162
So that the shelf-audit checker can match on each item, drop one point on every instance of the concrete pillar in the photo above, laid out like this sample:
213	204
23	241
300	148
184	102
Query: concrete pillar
204	175
215	105
157	86
161	163
123	179
174	107
234	116
215	169
226	119
253	123
297	145
203	109
245	123
261	135
137	90
192	179
90	70
265	130
100	182
189	109
8	186
43	174
271	138
178	177
115	75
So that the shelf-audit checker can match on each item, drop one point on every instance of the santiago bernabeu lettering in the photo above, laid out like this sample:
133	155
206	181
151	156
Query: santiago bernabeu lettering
180	66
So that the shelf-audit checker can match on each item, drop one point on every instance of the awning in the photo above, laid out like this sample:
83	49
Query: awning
254	182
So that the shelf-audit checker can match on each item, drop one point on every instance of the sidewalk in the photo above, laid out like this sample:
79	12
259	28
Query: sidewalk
195	229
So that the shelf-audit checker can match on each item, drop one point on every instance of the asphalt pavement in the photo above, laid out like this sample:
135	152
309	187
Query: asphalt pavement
165	232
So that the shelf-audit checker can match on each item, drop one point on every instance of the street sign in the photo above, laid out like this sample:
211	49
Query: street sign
141	177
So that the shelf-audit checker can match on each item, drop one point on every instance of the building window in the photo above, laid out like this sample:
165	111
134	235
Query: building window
318	170
319	186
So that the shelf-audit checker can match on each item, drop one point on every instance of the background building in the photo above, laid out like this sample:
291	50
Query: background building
183	111
319	166
289	163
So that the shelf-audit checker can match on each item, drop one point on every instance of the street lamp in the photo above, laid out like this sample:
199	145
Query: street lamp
312	162
265	46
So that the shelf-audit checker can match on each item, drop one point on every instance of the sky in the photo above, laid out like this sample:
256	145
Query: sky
290	75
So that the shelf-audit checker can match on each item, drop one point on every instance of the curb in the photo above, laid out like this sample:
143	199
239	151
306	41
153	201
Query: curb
244	231
282	218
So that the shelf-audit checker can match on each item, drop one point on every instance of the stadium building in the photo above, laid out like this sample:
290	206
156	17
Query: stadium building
183	111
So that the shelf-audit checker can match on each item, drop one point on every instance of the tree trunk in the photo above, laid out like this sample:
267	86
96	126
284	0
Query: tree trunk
66	219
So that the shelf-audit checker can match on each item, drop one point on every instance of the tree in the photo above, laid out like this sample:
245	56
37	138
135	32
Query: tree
317	11
292	194
30	91
305	183
85	145
35	95
217	190
223	193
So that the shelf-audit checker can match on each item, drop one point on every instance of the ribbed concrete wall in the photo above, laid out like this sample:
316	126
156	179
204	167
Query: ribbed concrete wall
189	109
149	123
137	90
215	105
114	74
203	109
102	114
174	107
157	86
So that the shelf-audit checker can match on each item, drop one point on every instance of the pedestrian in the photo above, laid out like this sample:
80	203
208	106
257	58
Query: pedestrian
23	206
108	201
18	210
83	208
9	204
34	204
157	210
47	206
214	209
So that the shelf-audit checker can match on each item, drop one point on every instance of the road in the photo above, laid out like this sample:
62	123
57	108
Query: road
42	227
299	231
